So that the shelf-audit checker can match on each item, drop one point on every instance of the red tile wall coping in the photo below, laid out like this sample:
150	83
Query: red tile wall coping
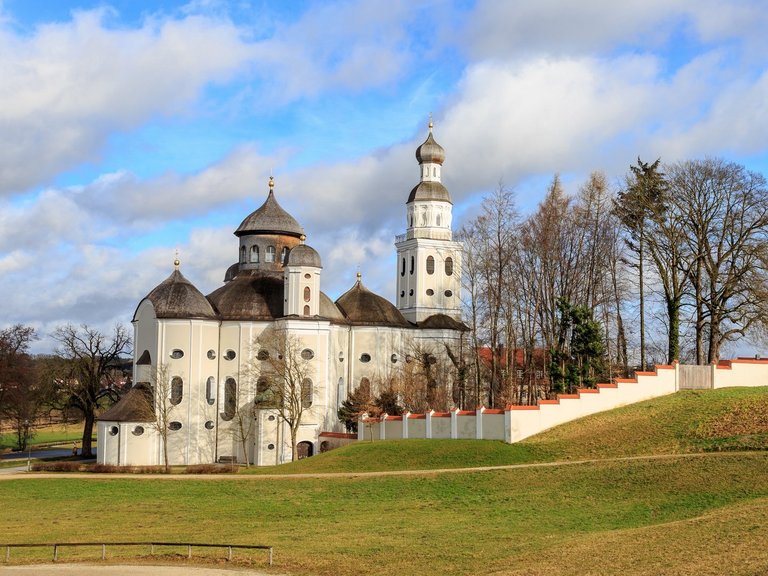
548	402
417	416
568	396
523	407
628	380
466	413
441	415
601	386
393	417
588	391
338	435
494	411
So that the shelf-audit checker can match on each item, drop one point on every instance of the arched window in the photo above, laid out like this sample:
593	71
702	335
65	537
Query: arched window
340	392
306	310
284	255
434	170
430	265
177	390
242	253
402	268
255	254
413	261
269	254
449	266
230	399
210	390
307	294
437	219
265	395
307	389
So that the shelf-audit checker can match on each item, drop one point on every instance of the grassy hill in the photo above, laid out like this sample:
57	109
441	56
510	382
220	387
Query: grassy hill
686	422
703	515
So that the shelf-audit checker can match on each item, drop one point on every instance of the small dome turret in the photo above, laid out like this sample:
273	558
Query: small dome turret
304	255
177	297
270	218
430	152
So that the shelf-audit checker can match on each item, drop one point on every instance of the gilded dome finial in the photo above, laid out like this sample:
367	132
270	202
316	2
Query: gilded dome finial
430	122
302	238
271	183
359	277
176	262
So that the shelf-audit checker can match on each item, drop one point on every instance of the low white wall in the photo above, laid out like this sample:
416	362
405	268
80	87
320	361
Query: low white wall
518	422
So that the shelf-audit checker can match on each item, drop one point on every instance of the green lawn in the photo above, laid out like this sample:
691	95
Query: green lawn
705	514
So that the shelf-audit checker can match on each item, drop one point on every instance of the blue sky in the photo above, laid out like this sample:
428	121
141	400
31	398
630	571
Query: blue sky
132	129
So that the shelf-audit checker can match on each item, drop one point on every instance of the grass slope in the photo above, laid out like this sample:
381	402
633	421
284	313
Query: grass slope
706	514
681	423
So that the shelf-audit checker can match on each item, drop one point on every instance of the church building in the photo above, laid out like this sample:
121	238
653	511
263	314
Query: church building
201	362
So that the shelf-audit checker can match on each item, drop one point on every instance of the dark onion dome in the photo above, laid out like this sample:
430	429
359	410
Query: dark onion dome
430	152
362	307
329	310
251	295
177	297
137	405
443	322
303	255
429	191
270	218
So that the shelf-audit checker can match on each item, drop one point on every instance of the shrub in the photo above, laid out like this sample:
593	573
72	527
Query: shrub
212	469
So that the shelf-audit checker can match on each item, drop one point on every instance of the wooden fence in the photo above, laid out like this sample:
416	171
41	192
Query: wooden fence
189	545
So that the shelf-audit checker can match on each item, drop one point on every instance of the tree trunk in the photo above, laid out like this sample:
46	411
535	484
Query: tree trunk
642	301
87	450
673	312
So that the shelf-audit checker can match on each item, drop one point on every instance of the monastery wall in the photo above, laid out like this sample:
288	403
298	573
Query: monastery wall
514	423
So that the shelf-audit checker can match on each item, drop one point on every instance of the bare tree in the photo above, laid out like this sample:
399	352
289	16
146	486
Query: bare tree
285	381
89	358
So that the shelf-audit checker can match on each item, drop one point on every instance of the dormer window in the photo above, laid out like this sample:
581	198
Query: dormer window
269	255
255	254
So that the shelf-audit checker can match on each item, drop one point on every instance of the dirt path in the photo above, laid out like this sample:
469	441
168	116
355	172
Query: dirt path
245	477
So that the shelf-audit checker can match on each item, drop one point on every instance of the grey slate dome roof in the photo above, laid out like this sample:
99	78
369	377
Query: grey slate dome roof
443	321
430	151
430	191
250	295
270	218
177	297
363	307
136	406
329	310
303	255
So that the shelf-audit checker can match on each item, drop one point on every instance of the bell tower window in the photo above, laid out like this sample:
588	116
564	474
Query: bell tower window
430	265
449	266
255	254
307	294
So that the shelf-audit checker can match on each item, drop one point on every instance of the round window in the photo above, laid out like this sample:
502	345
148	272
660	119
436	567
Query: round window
174	425
365	357
113	430
410	292
271	446
402	293
307	276
448	293
408	358
230	355
209	425
430	292
307	354
211	354
138	430
176	354
262	354
271	418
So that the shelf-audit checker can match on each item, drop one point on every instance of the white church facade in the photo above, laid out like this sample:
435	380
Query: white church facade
206	350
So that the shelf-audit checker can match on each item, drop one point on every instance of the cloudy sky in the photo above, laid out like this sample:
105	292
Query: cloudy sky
132	129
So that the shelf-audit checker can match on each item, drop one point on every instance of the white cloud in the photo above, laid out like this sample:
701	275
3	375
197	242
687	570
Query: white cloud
68	86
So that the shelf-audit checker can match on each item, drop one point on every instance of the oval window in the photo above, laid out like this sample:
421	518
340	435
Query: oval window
270	446
307	354
209	425
113	430
306	393
410	292
211	355
408	358
137	430
365	357
448	293
307	294
430	292
271	418
402	293
449	266
230	355
402	268
393	358
210	390
341	356
177	390
262	354
175	425
307	276
430	265
176	353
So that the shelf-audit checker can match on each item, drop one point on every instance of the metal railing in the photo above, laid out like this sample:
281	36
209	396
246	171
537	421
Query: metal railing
103	545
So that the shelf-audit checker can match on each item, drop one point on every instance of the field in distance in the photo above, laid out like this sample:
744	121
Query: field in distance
702	514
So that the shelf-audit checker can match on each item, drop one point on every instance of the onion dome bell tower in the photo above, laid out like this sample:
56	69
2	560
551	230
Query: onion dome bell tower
428	260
